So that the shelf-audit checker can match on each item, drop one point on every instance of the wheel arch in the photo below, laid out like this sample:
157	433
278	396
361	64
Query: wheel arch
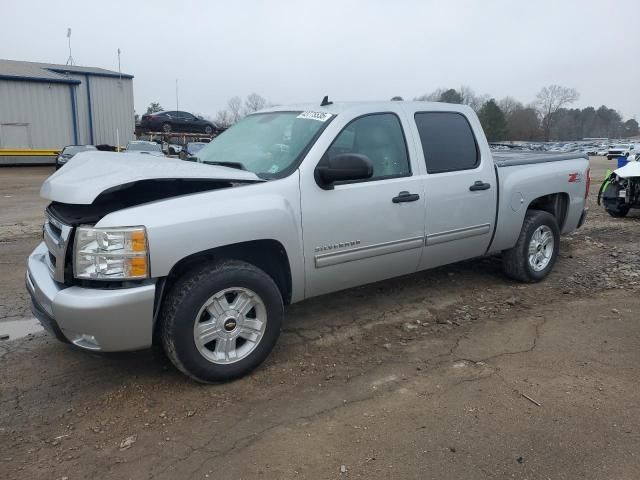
557	204
267	254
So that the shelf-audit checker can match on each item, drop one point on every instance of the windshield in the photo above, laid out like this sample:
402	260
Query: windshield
144	147
267	144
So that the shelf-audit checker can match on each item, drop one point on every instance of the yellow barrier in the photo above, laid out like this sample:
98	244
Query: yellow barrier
23	152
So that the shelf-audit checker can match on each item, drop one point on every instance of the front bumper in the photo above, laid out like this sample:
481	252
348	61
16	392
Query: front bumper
93	319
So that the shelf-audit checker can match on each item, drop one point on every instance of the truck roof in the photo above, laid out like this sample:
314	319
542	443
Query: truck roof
372	106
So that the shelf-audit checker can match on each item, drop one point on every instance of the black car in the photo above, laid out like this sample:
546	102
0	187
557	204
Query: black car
191	149
69	151
176	122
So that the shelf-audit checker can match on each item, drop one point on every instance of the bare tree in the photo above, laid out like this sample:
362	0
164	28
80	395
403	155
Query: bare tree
464	95
203	116
508	105
431	97
154	107
523	124
223	119
235	110
470	98
253	103
551	99
234	105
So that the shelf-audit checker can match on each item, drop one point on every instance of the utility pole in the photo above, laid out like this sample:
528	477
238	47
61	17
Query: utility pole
119	71
177	103
70	59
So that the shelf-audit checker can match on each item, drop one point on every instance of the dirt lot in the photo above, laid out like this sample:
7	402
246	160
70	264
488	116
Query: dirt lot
433	375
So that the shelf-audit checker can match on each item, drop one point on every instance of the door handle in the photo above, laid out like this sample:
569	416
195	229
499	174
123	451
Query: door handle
405	196
479	185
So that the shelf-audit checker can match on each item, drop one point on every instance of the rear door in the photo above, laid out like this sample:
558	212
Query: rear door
460	187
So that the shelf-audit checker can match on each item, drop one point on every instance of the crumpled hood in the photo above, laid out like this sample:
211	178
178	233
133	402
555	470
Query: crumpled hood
88	174
631	169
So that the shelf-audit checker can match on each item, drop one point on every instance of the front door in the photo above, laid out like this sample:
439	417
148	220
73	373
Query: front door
460	188
364	231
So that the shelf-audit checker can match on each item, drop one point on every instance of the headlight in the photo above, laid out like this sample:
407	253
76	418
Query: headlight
111	253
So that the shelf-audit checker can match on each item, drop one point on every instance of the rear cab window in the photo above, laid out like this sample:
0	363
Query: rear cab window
448	142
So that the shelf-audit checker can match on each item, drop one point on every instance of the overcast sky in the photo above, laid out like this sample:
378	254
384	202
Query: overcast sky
293	51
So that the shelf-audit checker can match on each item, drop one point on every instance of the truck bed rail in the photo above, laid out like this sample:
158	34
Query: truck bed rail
512	159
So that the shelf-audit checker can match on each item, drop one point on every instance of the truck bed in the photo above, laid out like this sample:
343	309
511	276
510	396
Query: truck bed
527	158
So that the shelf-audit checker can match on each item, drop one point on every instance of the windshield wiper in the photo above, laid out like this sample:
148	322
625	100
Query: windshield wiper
237	165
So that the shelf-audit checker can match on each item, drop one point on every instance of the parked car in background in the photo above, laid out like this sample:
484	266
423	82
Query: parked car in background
171	148
141	146
69	152
189	152
174	149
622	150
176	121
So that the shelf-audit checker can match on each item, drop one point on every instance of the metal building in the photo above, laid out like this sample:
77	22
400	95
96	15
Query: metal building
45	106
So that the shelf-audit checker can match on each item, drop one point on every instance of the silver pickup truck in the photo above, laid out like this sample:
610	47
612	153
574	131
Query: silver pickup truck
292	202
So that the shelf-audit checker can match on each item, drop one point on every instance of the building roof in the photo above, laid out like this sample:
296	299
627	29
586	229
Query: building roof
50	72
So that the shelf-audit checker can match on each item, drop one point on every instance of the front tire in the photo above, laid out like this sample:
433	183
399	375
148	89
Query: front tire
618	212
208	129
222	321
166	127
536	251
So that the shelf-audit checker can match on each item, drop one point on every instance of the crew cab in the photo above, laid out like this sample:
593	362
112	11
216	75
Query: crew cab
290	203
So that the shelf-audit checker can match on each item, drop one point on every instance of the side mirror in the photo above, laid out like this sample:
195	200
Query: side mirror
344	167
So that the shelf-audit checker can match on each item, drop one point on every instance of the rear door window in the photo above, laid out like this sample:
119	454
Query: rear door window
448	142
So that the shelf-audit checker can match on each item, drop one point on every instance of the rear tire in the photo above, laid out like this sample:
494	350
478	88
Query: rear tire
208	129
166	127
202	333
535	253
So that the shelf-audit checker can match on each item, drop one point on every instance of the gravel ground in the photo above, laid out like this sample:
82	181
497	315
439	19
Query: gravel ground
452	373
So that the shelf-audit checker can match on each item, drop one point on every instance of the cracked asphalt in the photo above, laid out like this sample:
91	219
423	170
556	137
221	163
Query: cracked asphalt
453	373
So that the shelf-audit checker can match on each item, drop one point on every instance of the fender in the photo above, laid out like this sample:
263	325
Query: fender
183	226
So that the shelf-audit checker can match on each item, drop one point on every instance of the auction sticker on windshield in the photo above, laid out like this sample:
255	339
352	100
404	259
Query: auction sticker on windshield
320	116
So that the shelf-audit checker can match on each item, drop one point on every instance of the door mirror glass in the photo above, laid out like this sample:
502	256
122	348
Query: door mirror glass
344	167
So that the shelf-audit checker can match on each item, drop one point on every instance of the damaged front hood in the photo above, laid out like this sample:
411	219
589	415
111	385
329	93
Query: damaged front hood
89	174
631	169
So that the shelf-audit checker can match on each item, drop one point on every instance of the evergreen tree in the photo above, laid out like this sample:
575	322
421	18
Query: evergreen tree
450	96
493	121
